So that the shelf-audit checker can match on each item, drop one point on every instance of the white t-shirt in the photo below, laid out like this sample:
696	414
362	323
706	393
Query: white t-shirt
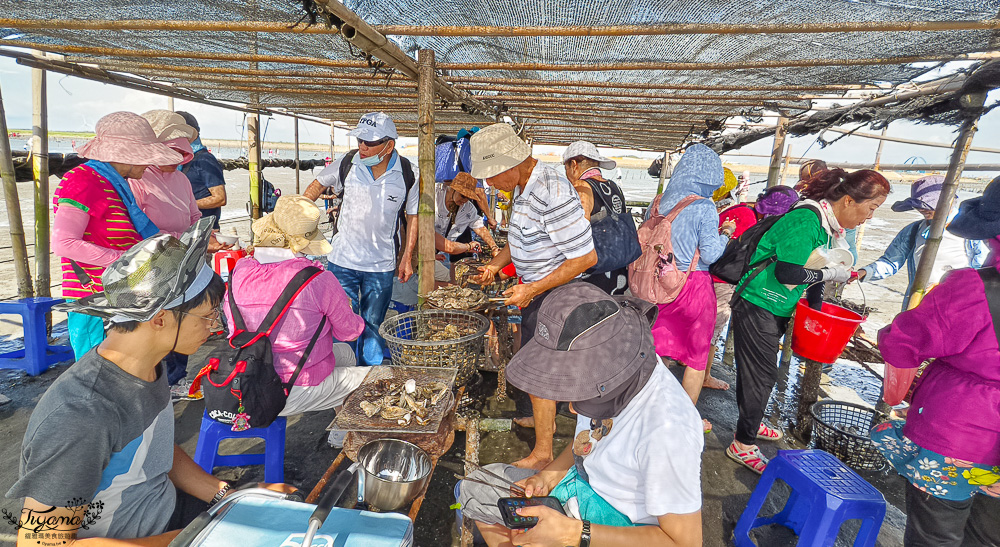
467	216
547	225
649	464
368	214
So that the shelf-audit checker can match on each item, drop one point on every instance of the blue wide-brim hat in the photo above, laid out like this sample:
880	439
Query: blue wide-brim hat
979	218
924	194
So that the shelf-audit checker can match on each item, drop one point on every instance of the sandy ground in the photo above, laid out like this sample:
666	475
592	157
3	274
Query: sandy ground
726	486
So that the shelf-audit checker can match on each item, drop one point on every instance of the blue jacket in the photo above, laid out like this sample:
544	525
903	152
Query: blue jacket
906	247
698	172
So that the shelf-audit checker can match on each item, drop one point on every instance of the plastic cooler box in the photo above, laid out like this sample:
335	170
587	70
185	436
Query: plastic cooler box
258	517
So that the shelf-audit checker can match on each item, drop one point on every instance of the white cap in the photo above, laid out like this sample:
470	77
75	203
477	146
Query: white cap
374	126
496	149
589	151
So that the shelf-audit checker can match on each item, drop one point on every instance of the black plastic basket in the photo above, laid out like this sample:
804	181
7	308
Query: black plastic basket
842	429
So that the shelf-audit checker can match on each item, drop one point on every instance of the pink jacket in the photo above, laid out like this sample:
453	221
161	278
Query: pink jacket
167	198
956	406
257	286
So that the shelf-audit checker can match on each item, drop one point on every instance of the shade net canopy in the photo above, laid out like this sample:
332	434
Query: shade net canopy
652	75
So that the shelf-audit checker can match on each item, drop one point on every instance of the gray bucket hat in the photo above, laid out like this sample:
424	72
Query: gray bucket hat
586	344
160	272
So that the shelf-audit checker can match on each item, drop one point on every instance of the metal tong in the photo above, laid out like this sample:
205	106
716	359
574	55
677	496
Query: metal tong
514	487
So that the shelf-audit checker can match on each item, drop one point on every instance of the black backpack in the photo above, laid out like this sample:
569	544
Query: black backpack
271	195
734	264
613	229
245	390
409	179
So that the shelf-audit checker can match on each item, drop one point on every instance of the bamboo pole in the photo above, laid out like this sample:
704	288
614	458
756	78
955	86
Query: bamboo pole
732	65
776	149
253	155
972	102
531	100
425	232
539	126
692	28
297	163
589	116
20	250
186	79
326	92
881	143
663	171
272	27
190	70
784	168
170	104
650	85
884	138
332	141
40	168
629	94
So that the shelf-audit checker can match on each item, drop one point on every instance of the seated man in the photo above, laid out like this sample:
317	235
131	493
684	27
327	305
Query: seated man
99	456
281	241
456	213
636	457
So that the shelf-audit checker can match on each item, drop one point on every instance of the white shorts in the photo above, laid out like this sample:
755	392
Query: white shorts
332	391
441	272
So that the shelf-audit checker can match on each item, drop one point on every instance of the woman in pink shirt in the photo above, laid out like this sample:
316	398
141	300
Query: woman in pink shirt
282	240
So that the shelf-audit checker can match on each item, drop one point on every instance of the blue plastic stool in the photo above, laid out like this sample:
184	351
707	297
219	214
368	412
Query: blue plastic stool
37	355
207	456
825	493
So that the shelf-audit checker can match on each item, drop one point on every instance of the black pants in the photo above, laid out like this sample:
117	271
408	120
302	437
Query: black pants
529	320
185	510
614	283
936	522
757	338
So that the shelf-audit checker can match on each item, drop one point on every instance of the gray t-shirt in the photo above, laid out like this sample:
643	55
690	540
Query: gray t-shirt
103	436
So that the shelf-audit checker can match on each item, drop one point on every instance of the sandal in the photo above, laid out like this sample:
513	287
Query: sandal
768	433
751	459
706	426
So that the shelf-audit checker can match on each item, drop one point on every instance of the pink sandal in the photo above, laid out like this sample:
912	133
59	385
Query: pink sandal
752	459
768	433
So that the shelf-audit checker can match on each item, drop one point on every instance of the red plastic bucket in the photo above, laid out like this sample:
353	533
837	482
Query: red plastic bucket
822	335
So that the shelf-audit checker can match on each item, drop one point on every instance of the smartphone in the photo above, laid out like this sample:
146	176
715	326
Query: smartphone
509	506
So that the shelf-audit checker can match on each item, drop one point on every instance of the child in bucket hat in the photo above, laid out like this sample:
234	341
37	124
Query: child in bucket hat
100	441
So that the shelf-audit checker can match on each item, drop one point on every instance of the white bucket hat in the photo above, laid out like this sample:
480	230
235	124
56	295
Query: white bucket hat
496	149
374	126
589	151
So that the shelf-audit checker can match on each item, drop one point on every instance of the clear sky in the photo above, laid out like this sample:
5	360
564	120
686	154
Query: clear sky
76	105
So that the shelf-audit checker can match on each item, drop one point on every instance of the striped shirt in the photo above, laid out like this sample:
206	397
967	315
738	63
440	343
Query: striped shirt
109	226
547	225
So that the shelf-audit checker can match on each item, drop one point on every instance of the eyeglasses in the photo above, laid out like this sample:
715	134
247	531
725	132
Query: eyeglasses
370	144
214	320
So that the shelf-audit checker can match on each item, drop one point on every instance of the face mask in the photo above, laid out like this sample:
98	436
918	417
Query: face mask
372	161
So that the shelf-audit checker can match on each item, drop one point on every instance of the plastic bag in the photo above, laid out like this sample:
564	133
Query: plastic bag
897	383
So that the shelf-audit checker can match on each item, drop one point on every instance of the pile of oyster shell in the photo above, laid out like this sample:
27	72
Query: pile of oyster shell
402	402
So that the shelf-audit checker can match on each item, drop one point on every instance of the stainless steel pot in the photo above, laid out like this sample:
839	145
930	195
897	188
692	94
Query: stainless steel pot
393	473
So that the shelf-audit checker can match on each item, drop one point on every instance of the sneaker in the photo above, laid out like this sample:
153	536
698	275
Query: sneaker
336	438
752	459
181	391
768	433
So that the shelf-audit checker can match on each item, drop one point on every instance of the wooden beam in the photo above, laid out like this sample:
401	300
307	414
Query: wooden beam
692	28
157	24
883	137
426	214
732	65
779	145
40	169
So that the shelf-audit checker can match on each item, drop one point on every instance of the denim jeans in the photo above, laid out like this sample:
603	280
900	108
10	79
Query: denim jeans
370	293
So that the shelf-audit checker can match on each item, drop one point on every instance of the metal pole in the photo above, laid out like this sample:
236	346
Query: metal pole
776	149
663	171
784	168
425	151
253	134
297	191
922	278
21	271
40	167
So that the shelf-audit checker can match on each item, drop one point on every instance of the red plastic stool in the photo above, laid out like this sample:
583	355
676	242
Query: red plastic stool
224	262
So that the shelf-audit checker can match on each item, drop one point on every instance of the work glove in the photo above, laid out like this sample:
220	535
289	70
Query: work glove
838	273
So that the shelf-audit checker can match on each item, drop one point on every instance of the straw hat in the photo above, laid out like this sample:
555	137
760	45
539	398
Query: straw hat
294	225
124	137
169	125
496	149
464	184
729	183
158	273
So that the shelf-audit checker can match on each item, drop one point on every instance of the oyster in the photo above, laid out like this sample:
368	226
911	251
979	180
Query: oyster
370	409
393	413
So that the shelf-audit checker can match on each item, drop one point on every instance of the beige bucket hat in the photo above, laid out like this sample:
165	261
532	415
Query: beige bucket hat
294	225
169	125
496	149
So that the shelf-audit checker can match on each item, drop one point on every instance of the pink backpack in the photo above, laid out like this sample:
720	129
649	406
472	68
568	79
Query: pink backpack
655	276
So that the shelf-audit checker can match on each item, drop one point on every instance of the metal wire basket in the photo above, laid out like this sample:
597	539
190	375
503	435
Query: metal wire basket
408	337
842	429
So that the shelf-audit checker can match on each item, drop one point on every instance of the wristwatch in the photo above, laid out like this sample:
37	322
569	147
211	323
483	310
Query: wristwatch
220	494
585	534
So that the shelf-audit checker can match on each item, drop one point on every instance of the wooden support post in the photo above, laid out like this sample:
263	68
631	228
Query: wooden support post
40	168
297	188
170	104
779	146
425	151
729	350
332	151
784	168
786	345
808	395
878	153
253	155
921	279
20	250
664	166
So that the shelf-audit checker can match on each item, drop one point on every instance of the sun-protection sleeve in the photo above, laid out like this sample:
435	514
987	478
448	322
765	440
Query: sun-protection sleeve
67	238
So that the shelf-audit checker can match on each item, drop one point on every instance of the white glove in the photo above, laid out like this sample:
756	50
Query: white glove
838	273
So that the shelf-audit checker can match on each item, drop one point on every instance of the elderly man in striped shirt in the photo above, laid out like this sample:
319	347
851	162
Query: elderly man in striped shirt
549	243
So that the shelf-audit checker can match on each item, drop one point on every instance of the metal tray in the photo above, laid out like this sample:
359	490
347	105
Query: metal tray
352	418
